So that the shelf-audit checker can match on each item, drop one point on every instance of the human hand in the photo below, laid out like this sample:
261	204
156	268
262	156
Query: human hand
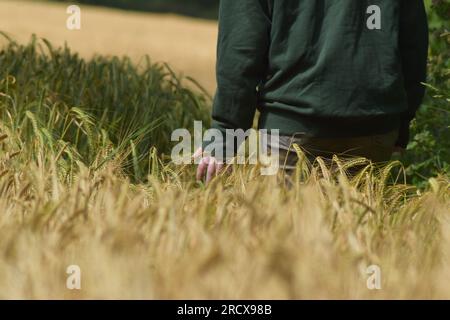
208	167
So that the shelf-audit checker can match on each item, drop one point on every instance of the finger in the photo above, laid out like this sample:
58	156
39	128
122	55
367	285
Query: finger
197	153
201	169
211	173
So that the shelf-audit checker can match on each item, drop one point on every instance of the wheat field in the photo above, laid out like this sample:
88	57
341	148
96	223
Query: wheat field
85	180
244	236
187	44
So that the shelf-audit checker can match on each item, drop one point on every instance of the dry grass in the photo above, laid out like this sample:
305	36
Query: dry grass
188	45
244	236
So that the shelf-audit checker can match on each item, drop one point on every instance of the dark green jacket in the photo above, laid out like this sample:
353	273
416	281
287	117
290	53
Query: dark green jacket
321	67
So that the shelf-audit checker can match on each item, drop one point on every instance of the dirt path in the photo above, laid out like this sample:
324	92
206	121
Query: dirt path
189	45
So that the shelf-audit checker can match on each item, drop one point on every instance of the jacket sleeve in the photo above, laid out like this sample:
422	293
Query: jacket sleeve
242	49
414	56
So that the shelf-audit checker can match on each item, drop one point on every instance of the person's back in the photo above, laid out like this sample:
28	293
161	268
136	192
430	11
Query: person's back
322	70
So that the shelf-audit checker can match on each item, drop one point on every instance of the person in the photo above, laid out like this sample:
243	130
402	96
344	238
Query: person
336	77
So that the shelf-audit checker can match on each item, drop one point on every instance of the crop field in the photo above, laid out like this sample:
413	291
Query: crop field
82	184
188	45
86	180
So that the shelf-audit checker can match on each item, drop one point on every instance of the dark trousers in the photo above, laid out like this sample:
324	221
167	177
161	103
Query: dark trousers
377	148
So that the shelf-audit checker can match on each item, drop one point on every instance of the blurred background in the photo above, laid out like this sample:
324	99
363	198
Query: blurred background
179	32
195	8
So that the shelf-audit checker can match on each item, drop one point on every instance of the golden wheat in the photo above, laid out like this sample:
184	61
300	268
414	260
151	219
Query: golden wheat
243	236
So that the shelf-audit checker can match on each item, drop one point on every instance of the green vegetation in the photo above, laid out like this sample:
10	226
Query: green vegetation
93	111
429	151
